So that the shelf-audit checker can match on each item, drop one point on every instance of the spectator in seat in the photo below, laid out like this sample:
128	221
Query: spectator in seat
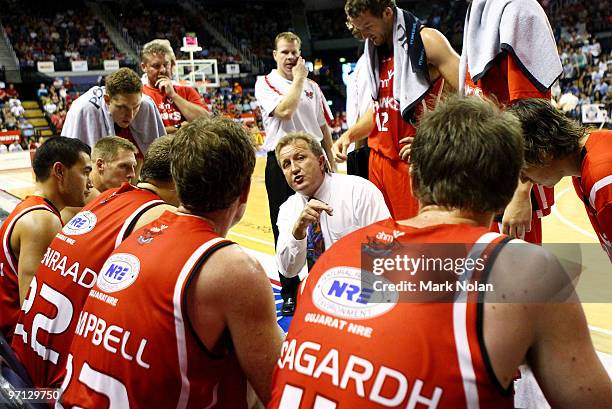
42	91
177	104
11	92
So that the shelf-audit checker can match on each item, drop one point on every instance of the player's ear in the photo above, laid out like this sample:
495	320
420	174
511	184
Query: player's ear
100	165
107	99
323	164
58	170
388	12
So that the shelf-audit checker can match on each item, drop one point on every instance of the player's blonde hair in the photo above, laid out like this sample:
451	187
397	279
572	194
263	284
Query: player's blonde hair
287	36
108	148
467	154
292	137
157	46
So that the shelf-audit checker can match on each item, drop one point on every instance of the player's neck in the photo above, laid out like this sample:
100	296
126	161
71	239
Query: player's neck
430	215
385	51
389	37
574	162
165	190
51	193
218	219
148	186
96	181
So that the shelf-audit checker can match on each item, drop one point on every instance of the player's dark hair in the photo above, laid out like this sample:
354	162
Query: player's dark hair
57	149
156	164
467	154
355	8
212	160
547	133
124	81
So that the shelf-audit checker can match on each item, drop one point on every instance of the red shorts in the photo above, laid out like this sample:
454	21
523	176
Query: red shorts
393	180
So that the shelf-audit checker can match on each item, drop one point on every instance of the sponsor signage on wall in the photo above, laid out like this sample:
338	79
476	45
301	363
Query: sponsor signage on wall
232	68
45	66
111	65
79	66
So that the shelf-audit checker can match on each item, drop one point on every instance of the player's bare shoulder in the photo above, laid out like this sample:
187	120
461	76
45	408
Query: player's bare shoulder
436	45
527	273
231	270
36	223
153	214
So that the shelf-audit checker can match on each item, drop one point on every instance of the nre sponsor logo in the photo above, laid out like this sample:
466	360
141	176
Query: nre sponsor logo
344	292
116	272
350	292
82	223
119	272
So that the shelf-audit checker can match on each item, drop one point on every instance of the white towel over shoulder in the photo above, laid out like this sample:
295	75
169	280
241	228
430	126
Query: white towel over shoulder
410	81
519	27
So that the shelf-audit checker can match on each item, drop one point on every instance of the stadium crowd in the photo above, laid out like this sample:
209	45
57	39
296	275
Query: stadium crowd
143	21
12	117
587	66
59	32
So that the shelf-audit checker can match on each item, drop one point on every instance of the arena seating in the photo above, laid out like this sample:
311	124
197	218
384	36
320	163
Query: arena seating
54	31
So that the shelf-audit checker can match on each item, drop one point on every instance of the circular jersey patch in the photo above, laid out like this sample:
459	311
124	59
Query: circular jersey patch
81	223
346	292
118	273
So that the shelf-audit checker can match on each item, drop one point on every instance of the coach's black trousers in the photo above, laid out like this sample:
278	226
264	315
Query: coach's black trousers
278	192
357	162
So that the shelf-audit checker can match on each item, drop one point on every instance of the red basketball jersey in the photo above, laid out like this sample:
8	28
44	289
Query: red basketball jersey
506	82
594	186
170	113
9	282
134	345
346	349
390	127
65	276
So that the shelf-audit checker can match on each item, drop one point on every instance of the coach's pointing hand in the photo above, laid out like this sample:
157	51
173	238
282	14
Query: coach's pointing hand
311	213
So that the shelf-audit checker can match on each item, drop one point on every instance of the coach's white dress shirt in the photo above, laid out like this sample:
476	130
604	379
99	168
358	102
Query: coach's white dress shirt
356	203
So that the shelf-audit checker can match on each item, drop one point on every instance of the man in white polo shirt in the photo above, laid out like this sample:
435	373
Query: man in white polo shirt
289	102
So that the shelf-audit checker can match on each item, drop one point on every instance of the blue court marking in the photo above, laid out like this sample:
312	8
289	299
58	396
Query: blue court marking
278	300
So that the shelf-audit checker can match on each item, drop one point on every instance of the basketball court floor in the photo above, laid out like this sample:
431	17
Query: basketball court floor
568	223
